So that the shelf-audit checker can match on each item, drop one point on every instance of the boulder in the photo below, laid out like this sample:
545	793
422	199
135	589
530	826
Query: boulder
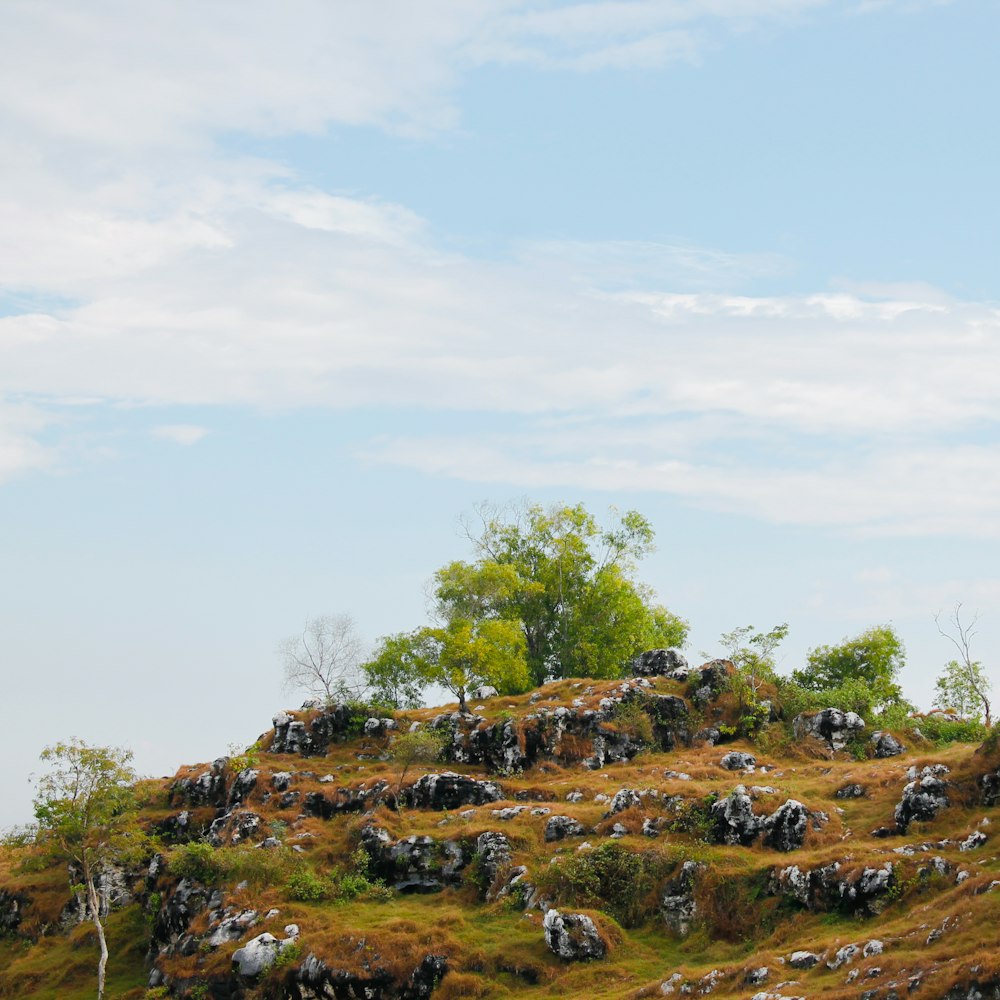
573	936
844	956
826	888
560	827
260	953
852	791
494	856
737	760
733	819
449	790
922	799
414	864
12	907
312	737
343	800
205	789
886	745
483	693
232	927
661	663
831	727
804	959
785	829
990	785
679	906
243	784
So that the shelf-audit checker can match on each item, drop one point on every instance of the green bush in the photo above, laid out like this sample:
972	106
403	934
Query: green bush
941	732
305	886
199	861
630	718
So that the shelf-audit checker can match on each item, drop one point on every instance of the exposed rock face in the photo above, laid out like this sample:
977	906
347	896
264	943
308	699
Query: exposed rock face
560	827
415	864
12	907
310	738
170	926
803	959
114	885
708	681
852	791
206	789
243	784
661	663
483	693
829	888
345	800
451	791
573	936
886	745
314	980
259	954
494	853
235	827
830	726
679	906
990	784
737	760
734	821
785	829
922	798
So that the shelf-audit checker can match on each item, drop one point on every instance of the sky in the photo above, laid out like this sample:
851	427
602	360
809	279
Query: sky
285	289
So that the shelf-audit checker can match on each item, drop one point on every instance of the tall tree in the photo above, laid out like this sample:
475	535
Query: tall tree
569	583
965	675
86	814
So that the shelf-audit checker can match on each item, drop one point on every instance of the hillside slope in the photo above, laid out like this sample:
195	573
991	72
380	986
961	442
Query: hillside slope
591	839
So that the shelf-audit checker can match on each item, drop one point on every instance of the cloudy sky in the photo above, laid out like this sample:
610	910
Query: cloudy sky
286	288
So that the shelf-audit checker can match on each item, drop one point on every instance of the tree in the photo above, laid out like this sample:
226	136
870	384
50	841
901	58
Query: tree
325	659
421	746
86	814
958	689
395	674
568	582
457	656
752	654
964	679
874	658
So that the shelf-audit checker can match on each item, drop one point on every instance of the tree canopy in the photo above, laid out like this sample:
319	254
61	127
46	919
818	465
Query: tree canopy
568	582
874	658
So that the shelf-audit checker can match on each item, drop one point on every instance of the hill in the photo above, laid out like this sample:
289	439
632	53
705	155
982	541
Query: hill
600	839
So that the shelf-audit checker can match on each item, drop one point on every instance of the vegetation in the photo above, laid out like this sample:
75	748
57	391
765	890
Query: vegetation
964	684
325	658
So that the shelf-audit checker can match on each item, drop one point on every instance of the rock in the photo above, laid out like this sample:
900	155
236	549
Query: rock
624	798
922	799
734	821
560	827
785	829
825	889
243	784
346	800
573	936
494	858
844	956
12	907
451	791
280	781
312	738
232	927
886	745
975	839
375	729
757	977
414	864
709	735
850	792
234	827
831	726
679	906
259	954
737	760
668	986
873	947
484	693
990	784
804	959
206	789
661	663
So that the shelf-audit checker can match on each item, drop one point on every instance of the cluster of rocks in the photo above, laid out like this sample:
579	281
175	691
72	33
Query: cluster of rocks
573	936
923	797
827	887
415	864
735	822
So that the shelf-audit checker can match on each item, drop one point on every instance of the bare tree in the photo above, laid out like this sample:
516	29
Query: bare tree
325	659
960	634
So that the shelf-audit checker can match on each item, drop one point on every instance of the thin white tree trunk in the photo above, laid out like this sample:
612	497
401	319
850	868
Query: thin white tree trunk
95	913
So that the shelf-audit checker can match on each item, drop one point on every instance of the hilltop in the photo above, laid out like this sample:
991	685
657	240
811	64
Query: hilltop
613	839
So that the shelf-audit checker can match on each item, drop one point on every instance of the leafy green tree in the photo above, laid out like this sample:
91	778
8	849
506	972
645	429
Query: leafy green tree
85	811
568	582
396	672
874	658
961	687
422	746
752	654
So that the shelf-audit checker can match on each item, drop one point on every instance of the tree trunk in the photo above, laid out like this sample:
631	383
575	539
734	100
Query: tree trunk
95	914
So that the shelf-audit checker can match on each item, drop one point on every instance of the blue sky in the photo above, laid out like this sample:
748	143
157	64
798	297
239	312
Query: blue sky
285	290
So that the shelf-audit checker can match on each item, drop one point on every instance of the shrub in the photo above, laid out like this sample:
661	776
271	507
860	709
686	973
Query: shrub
198	860
305	886
941	732
630	718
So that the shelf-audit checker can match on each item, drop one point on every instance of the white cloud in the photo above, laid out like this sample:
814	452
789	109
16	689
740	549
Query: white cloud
183	434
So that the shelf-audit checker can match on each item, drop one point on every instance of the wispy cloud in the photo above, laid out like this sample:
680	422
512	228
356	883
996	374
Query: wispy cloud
183	434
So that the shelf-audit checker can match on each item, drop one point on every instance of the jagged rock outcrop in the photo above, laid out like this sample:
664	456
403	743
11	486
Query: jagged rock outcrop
170	925
573	936
560	827
346	800
115	886
449	790
205	789
415	864
733	819
923	797
990	785
834	887
679	905
709	681
737	760
661	663
315	980
785	829
235	827
243	784
831	727
850	791
259	954
884	745
494	857
312	737
12	907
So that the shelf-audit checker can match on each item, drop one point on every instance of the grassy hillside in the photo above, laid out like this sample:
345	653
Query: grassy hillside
394	890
